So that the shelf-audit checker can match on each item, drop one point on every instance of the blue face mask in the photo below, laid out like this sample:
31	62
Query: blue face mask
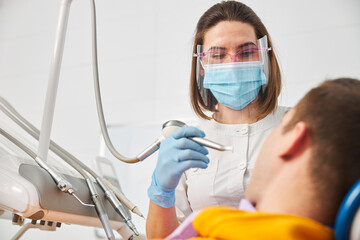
236	84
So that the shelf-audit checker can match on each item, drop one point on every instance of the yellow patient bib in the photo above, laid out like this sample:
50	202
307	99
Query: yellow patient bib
229	223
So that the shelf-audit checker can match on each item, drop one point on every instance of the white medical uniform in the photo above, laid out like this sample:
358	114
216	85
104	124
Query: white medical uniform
225	179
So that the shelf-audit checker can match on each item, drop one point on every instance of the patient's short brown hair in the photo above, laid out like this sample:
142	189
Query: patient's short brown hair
332	113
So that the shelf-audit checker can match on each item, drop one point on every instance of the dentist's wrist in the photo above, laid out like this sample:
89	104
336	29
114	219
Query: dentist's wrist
164	197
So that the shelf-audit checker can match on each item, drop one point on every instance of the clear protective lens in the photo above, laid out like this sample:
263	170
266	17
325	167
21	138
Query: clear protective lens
218	56
215	59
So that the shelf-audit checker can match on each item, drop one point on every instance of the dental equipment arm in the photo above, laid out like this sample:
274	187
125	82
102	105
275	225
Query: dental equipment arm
74	162
65	186
61	183
53	82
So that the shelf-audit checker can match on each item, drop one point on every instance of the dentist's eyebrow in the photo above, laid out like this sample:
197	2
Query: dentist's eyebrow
216	48
246	44
238	47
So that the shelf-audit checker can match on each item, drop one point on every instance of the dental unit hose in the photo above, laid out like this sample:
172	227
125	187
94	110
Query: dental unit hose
98	95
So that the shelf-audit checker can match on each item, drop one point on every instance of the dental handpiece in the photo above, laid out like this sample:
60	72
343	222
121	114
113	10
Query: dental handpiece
172	125
131	206
109	194
168	128
100	210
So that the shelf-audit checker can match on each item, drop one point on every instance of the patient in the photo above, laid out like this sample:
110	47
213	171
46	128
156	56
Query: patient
304	169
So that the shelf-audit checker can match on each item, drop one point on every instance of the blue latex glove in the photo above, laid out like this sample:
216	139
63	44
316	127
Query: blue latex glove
177	154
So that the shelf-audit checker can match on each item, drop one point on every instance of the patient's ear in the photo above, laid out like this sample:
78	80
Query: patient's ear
295	141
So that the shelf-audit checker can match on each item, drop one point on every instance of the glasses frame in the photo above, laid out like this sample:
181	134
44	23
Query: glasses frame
233	57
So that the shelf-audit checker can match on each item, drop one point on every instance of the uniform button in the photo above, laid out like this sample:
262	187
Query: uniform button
244	131
242	165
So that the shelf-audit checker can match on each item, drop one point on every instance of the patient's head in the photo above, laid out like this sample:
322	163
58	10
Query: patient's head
310	161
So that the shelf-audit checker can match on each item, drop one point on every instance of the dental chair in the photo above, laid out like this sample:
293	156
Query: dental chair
347	224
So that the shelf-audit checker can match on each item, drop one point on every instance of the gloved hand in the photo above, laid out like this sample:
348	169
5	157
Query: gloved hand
177	154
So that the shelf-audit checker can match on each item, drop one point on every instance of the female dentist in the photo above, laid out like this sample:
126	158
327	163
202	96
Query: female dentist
235	83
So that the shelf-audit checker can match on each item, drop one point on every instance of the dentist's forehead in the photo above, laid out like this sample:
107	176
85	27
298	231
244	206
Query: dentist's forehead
229	34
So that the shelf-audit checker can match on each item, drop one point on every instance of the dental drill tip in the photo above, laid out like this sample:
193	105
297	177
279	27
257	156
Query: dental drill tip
228	148
132	227
208	143
137	212
142	216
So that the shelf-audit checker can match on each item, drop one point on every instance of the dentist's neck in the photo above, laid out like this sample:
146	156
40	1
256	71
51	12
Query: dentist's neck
227	115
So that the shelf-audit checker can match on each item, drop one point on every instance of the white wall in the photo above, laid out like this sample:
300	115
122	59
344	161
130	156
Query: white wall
144	56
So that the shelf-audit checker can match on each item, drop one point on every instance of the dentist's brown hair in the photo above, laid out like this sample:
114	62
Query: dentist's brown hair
234	11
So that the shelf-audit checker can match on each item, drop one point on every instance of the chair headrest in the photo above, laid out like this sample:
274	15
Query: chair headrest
346	213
